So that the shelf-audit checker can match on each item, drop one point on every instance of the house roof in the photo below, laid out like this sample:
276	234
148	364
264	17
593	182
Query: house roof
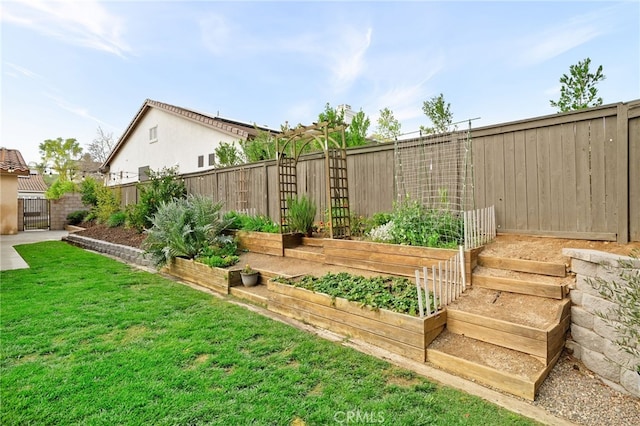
32	183
11	162
237	128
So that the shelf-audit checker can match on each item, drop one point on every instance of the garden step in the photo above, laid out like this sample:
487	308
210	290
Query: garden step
257	294
522	265
312	253
502	368
314	242
531	286
529	324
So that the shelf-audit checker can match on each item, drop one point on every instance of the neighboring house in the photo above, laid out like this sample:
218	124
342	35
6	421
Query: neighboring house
162	135
31	186
12	166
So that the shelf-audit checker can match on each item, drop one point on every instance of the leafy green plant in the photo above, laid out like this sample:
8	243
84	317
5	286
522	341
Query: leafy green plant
221	254
76	217
415	225
163	186
88	189
302	212
108	203
391	293
59	188
116	219
184	228
245	222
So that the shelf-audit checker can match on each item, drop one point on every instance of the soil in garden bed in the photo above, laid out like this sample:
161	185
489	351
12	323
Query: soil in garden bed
118	235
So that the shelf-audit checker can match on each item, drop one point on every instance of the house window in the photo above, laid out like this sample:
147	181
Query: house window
143	173
153	134
200	160
212	159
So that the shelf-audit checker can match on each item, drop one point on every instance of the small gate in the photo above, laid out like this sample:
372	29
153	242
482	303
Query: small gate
35	213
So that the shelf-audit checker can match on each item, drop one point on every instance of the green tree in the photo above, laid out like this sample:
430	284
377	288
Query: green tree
439	112
356	133
227	154
578	90
261	147
61	156
388	126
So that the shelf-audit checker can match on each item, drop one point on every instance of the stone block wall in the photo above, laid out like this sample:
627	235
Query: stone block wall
126	253
60	208
592	338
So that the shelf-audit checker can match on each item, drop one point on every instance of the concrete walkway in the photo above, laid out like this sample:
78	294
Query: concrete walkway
9	257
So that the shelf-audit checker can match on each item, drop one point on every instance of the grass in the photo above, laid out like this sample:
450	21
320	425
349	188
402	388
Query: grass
85	339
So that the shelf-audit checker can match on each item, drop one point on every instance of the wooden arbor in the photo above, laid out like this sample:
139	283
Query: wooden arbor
289	146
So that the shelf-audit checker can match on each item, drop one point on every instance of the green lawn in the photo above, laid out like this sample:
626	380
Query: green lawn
85	339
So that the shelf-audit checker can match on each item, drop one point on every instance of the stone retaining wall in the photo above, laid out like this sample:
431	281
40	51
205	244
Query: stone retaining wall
593	338
126	253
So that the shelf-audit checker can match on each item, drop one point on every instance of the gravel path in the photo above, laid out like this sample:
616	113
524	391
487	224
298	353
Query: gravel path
572	391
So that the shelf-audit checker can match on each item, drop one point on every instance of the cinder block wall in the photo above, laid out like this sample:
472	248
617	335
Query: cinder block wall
60	208
592	338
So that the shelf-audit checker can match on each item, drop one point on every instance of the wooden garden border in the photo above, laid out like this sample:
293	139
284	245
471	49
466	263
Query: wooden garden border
402	334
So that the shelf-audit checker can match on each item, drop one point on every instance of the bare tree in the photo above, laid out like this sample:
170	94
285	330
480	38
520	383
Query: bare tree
101	146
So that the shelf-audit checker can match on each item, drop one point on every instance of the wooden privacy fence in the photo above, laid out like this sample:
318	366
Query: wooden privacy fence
446	284
570	175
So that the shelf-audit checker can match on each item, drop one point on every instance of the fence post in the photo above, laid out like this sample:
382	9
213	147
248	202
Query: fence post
418	288
622	167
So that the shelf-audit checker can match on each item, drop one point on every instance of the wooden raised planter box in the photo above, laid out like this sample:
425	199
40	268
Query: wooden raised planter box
402	334
391	258
217	279
266	243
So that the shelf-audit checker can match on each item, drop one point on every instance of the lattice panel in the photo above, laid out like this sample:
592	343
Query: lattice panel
338	190
288	188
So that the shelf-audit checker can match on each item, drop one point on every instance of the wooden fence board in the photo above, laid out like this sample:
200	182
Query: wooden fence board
521	181
509	220
531	166
598	173
544	181
634	179
583	170
556	189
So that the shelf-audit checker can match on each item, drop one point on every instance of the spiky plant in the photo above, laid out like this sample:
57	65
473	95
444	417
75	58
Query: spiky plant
184	228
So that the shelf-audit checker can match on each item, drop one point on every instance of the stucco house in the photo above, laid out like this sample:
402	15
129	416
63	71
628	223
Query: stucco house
12	166
163	135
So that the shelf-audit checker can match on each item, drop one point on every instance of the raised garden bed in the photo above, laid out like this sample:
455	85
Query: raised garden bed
402	334
391	258
266	243
217	279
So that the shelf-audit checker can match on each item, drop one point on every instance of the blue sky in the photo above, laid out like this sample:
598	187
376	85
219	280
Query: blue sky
68	68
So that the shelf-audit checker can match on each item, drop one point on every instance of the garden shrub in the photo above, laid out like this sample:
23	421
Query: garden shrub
59	188
184	227
76	217
108	203
116	219
163	186
382	233
302	212
88	189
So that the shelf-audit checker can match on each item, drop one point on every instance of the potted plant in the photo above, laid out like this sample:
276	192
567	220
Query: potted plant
249	276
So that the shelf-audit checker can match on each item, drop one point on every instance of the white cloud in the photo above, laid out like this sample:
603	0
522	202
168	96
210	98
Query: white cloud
558	39
86	23
21	71
79	111
346	58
